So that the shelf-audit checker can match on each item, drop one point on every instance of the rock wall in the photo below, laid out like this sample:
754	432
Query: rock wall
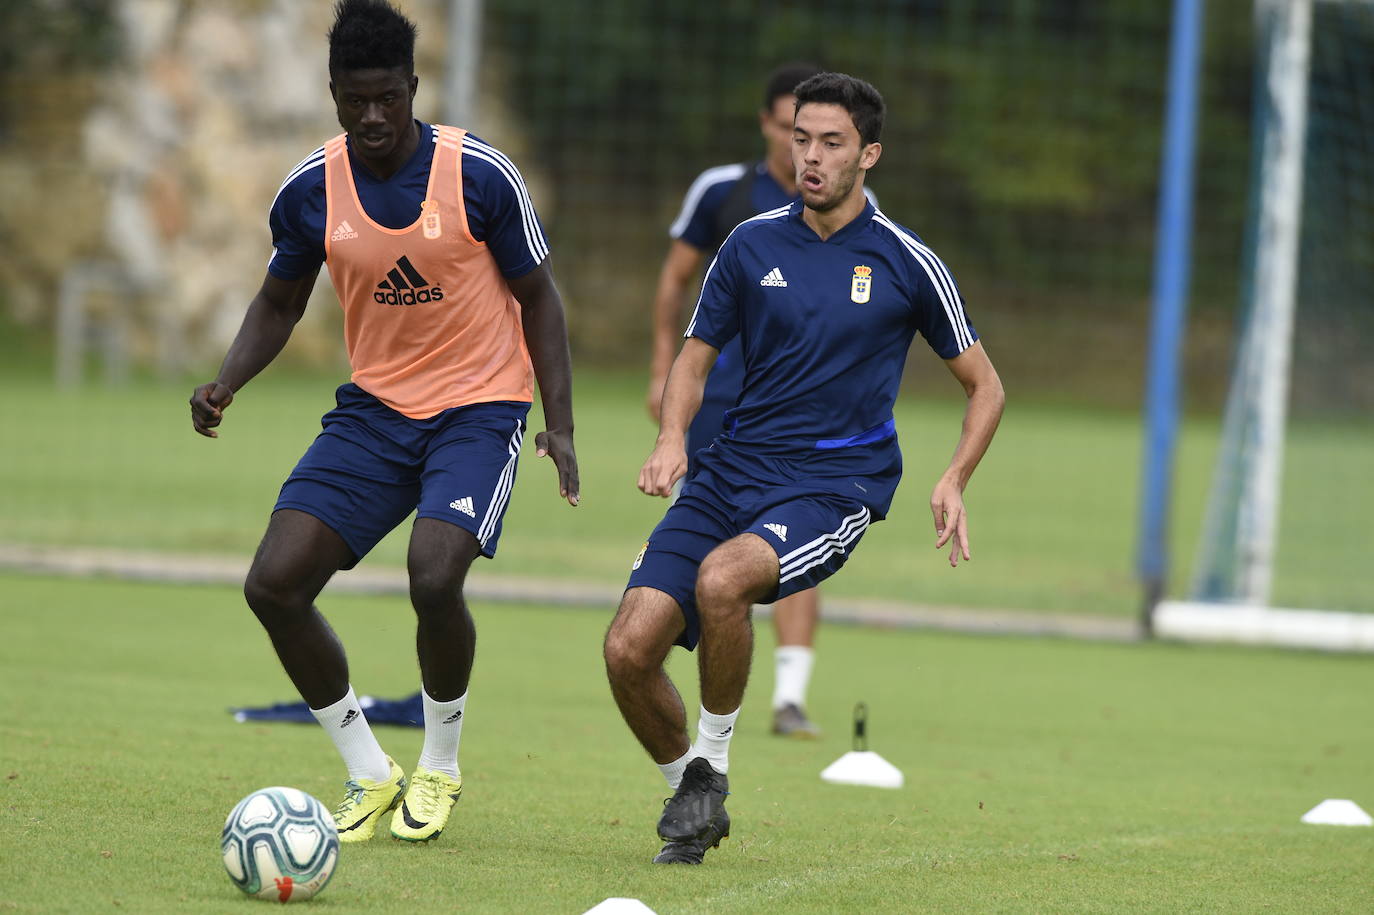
147	186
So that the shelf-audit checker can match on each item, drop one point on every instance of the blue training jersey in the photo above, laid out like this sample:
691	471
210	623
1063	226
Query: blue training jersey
498	206
825	326
699	224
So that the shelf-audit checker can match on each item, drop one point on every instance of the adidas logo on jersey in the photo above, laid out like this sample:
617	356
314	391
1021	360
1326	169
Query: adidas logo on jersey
404	286
344	232
779	530
774	278
463	505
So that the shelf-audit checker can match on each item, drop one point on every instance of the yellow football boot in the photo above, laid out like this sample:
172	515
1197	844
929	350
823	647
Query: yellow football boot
423	813
366	802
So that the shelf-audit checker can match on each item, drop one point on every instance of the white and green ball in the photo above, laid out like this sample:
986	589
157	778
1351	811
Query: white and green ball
280	844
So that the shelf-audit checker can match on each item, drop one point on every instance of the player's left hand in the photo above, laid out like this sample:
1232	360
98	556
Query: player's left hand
951	520
208	403
558	445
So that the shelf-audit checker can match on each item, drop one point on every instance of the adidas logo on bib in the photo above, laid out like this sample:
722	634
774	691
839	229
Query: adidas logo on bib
404	286
344	232
774	278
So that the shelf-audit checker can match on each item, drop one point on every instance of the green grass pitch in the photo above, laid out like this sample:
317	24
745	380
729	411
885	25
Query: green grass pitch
1054	506
1042	775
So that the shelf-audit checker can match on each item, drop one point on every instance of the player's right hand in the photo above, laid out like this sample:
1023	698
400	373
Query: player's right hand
665	466
207	407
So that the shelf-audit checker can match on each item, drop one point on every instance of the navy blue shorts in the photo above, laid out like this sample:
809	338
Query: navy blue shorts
797	506
370	467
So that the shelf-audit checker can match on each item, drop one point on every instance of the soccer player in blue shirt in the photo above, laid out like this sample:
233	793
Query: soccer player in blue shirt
826	296
718	200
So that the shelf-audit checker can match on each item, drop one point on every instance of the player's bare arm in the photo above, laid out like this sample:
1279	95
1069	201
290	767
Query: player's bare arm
975	372
546	336
681	400
271	317
680	266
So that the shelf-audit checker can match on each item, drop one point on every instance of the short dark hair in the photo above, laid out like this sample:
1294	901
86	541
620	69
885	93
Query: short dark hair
784	80
370	35
860	99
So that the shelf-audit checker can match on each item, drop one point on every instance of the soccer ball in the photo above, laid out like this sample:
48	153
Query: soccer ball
280	844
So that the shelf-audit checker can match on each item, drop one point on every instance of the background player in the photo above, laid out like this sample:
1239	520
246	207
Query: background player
718	200
450	309
826	296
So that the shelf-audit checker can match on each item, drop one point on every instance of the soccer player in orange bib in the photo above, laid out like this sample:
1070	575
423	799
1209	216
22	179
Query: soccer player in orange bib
450	312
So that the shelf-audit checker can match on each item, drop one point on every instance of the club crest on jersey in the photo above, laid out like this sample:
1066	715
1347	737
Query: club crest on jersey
429	219
639	560
862	286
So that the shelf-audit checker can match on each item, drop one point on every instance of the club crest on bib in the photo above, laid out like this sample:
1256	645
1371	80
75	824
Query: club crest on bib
429	219
862	286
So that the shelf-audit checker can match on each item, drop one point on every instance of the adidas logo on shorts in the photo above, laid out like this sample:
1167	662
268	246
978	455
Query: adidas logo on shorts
404	286
779	530
463	505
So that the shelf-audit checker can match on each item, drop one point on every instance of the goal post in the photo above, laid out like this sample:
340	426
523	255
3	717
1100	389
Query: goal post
1170	294
1232	593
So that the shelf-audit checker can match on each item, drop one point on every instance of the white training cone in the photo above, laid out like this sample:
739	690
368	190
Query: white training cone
1338	812
861	766
619	905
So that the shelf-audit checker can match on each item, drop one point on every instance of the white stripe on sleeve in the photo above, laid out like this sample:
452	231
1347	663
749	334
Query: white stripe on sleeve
704	182
314	160
770	214
534	238
939	278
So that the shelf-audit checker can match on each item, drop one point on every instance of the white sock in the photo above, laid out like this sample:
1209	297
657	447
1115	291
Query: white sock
792	674
713	739
347	726
443	729
673	771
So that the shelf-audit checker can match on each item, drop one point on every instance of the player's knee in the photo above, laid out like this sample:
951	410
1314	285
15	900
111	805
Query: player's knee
638	640
731	580
436	589
628	657
619	653
273	599
719	589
